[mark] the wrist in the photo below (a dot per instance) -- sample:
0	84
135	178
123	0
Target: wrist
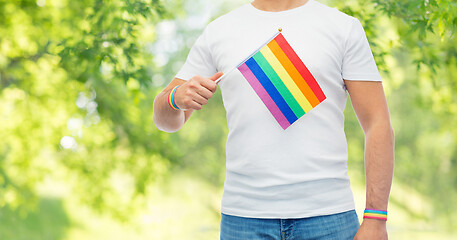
374	222
171	98
375	214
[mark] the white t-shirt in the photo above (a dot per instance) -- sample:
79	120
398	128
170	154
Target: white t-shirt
301	171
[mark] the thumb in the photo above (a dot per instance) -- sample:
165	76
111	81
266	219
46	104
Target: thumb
216	76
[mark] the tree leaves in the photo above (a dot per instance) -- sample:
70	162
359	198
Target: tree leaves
82	48
81	71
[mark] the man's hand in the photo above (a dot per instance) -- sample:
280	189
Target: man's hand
190	96
372	229
196	92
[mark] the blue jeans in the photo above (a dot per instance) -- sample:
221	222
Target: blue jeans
341	226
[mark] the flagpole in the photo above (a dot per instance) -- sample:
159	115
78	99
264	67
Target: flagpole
225	74
252	54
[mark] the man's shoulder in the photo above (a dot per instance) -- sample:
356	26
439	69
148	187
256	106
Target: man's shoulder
330	12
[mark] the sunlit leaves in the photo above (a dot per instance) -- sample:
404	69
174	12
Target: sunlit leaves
421	63
77	81
75	101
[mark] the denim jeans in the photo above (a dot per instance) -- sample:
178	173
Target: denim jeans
341	226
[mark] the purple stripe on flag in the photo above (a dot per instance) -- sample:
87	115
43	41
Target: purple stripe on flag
258	88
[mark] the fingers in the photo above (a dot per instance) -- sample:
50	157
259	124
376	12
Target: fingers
216	76
195	102
200	99
191	104
200	84
204	92
196	92
207	83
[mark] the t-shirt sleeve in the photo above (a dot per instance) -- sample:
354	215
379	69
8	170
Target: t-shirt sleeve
199	61
358	60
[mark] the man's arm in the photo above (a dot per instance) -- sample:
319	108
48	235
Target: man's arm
190	95
370	106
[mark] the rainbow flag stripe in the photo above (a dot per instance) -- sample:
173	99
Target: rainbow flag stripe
282	81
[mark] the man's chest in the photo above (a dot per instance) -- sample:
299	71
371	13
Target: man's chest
320	50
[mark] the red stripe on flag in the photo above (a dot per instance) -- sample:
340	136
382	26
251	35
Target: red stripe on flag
300	66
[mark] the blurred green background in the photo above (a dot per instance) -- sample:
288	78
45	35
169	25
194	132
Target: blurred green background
80	157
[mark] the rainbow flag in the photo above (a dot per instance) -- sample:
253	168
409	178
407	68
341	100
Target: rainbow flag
282	81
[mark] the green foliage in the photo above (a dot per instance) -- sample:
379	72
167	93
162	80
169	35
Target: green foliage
429	16
427	30
78	78
75	101
427	147
48	222
414	44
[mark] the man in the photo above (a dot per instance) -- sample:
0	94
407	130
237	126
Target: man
290	183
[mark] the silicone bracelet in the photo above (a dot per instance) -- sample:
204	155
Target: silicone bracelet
375	214
171	100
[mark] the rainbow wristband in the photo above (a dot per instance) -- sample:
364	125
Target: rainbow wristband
375	214
171	100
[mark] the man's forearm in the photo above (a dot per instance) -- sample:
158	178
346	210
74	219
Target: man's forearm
379	165
166	118
191	95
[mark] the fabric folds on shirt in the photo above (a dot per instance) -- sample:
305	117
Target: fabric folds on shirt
301	171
